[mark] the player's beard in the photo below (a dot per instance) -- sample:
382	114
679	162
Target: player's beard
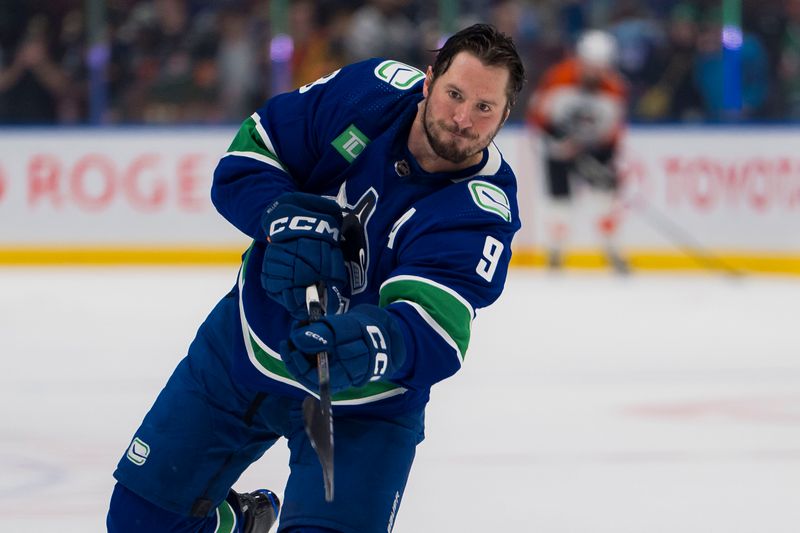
435	131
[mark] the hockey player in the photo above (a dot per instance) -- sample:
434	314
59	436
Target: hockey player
579	109
382	181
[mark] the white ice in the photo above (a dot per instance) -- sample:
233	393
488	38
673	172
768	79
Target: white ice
588	403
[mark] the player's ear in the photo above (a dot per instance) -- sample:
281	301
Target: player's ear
506	113
428	81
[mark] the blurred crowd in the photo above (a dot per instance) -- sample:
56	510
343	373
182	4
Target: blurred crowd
215	61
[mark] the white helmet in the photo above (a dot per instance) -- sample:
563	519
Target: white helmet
596	48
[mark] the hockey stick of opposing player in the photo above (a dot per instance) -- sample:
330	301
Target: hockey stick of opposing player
681	238
317	414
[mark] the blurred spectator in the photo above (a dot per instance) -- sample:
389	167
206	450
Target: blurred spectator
662	9
639	38
670	93
385	28
319	33
550	44
72	44
208	61
573	17
241	83
508	17
172	73
789	66
32	81
709	72
517	20
767	20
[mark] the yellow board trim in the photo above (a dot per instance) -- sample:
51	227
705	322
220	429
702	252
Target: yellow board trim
639	259
19	256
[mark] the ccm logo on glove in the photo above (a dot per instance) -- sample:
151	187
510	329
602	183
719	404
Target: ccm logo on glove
303	232
303	223
363	345
316	337
381	359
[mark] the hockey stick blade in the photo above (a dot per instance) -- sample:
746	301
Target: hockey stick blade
317	415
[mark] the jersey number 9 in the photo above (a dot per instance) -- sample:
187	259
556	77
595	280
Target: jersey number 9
492	250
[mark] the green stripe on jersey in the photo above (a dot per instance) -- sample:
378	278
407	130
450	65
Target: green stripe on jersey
226	518
277	367
450	313
249	140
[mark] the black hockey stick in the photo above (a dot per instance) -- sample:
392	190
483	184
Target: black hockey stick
317	414
681	238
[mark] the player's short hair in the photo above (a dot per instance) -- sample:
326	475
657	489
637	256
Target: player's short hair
492	47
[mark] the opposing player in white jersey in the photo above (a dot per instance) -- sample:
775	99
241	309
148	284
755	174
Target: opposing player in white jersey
579	109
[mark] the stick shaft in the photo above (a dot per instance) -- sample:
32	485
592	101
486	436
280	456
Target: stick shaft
318	415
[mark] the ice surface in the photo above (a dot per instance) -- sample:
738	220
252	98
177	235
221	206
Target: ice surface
587	404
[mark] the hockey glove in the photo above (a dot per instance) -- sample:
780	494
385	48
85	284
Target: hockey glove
303	231
363	345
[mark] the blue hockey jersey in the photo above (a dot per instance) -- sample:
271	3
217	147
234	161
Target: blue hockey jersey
435	247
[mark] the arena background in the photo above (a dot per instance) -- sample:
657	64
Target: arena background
662	401
107	144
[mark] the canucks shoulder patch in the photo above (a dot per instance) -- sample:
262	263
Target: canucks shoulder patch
490	198
398	75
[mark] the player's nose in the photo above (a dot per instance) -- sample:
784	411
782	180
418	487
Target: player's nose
461	116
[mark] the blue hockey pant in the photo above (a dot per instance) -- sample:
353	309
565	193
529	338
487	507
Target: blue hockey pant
204	430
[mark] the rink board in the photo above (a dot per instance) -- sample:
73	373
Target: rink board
694	197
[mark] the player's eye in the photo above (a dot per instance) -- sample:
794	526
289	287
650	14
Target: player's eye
455	95
485	108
